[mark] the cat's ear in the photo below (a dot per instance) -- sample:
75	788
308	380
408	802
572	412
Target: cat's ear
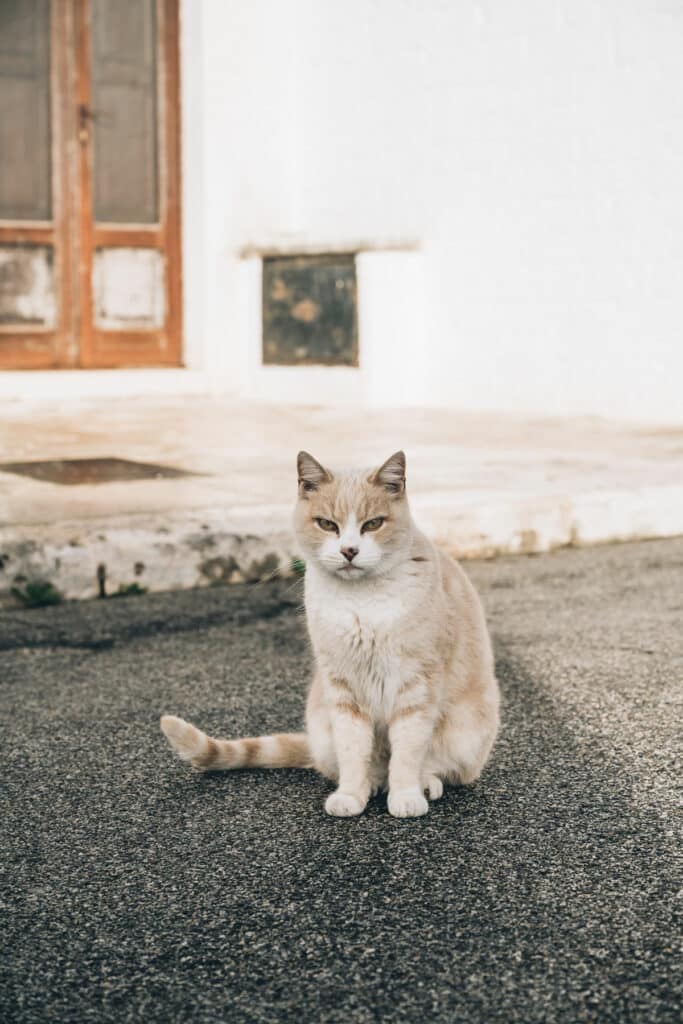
391	475
311	473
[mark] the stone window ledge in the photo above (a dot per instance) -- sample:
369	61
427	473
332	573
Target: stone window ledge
308	247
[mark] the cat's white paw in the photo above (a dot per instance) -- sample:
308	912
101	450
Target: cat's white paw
344	805
407	803
434	787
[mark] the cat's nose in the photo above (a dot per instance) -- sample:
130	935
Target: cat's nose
349	553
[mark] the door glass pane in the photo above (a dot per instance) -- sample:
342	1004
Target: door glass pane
25	185
124	108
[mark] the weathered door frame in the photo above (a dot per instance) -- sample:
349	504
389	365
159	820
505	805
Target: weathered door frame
75	341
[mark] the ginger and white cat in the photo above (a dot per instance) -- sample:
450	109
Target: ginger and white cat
404	695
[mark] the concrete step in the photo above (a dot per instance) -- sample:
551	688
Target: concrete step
480	485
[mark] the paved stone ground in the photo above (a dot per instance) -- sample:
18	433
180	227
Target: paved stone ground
133	889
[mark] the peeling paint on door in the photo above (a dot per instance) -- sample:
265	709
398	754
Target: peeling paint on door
27	285
128	286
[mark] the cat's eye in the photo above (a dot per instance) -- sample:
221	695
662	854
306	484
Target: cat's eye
372	524
328	525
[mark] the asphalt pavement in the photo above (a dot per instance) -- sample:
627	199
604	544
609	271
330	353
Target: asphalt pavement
132	889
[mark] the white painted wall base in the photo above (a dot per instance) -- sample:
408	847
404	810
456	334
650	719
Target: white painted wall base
53	385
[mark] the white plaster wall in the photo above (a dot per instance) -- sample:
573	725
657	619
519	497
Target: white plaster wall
534	148
238	141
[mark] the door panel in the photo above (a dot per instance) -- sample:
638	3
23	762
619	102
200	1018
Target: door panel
124	97
25	176
27	285
128	289
89	183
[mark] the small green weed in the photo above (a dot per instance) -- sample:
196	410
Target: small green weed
129	590
37	594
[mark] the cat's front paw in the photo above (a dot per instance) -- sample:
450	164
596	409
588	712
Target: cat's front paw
344	805
407	803
433	786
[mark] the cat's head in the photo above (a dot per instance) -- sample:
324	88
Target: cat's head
353	524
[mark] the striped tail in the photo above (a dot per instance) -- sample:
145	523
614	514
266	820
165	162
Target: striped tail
284	750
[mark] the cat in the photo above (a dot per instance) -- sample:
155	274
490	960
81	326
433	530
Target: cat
404	695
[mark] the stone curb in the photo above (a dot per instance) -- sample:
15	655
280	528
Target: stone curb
204	547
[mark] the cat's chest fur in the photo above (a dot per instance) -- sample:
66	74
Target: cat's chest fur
359	637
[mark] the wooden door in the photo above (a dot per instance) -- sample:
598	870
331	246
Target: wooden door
89	183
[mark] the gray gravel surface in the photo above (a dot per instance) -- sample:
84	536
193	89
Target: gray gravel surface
133	889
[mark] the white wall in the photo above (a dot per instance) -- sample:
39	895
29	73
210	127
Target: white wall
534	148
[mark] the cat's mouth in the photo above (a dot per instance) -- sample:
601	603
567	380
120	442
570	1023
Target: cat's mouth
349	568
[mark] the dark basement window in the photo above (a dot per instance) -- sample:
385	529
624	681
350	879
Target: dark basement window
310	314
